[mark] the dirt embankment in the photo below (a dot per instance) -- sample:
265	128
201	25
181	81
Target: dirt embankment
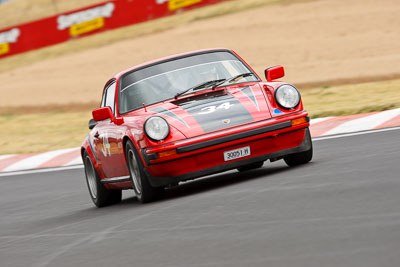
317	41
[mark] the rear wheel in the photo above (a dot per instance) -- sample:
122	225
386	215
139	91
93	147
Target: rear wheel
301	157
100	195
251	166
144	191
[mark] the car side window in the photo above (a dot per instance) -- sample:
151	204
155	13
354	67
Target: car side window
103	100
109	97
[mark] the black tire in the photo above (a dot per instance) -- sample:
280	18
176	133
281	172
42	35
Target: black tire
301	157
100	195
145	193
251	166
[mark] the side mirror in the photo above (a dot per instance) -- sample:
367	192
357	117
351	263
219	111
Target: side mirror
273	73
102	114
92	123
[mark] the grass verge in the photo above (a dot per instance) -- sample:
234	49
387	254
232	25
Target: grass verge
26	133
352	99
66	127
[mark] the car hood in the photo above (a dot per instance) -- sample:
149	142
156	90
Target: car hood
214	110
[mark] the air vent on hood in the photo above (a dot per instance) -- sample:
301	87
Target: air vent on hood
209	95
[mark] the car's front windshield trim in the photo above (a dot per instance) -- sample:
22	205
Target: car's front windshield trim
173	97
171	71
235	59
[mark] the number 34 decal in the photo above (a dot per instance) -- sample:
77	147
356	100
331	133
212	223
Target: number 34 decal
211	109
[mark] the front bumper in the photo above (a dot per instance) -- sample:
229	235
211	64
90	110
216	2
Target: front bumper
269	139
162	181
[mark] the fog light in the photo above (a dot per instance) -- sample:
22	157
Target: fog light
167	153
299	121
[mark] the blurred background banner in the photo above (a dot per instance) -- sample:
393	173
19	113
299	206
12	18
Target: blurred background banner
89	20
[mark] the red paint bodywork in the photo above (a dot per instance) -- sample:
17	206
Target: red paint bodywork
129	126
274	73
102	114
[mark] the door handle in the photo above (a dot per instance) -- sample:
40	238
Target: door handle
96	135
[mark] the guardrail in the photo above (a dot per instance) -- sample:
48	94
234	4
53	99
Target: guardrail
89	20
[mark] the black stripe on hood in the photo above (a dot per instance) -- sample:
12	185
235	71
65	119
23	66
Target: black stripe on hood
215	111
248	91
169	113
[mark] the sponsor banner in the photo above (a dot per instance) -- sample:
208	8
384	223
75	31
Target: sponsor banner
87	21
177	4
7	37
4	48
87	26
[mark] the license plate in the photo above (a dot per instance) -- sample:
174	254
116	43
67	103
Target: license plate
237	153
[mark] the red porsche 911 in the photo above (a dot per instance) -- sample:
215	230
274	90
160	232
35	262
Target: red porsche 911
186	116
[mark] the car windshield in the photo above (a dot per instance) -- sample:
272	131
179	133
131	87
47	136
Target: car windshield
165	80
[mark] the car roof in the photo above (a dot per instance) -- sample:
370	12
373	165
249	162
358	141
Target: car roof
163	59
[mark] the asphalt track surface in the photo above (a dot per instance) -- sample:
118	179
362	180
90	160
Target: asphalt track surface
342	209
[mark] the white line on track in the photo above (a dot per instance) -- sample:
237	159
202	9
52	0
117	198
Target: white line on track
354	134
80	166
41	170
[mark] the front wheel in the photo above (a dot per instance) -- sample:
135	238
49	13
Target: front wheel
301	157
144	191
100	195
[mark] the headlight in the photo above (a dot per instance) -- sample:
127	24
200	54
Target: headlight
156	128
287	96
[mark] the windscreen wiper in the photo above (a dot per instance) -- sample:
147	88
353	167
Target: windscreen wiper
202	85
241	76
234	78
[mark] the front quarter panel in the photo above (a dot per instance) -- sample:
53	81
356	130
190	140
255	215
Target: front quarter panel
135	132
87	146
276	111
